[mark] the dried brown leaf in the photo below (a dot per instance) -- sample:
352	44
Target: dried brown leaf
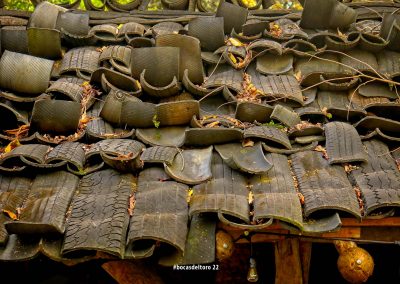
348	168
250	92
301	197
128	156
250	197
19	132
304	124
87	147
359	198
212	124
247	143
275	29
101	49
341	35
298	76
322	150
132	202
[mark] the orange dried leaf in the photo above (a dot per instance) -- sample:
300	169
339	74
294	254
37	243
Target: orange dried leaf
85	119
19	132
359	198
125	156
275	29
10	214
304	124
322	150
212	124
349	168
301	197
250	93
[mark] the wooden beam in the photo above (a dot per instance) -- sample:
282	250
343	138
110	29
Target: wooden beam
287	262
346	222
346	232
386	234
385	222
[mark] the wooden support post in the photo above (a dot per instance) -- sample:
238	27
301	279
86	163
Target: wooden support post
305	256
287	262
127	272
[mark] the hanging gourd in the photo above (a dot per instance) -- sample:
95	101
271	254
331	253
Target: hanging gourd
355	264
224	245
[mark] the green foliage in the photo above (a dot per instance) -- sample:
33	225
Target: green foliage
156	122
154	5
25	5
286	4
274	124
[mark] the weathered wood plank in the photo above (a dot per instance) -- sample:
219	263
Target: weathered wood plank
287	262
385	222
305	257
347	232
388	234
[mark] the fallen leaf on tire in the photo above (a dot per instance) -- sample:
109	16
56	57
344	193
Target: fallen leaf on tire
125	156
341	35
212	124
232	58
348	168
251	197
10	214
275	29
359	198
301	198
132	202
189	195
322	150
234	42
247	143
326	113
298	76
12	145
21	131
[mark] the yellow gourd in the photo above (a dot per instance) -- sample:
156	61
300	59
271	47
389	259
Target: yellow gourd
224	245
355	264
